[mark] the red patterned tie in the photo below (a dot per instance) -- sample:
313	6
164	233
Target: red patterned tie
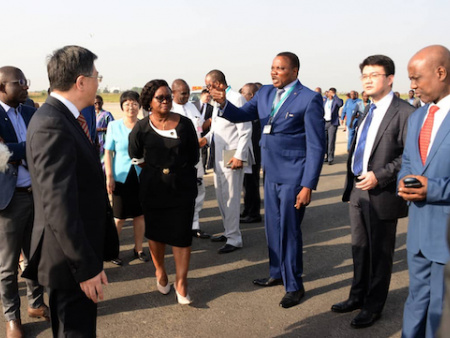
425	134
84	126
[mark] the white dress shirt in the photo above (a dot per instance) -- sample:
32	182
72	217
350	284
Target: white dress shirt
439	116
378	114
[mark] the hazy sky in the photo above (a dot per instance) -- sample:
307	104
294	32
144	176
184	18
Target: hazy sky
138	40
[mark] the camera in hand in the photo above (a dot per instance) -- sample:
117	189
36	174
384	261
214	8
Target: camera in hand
412	182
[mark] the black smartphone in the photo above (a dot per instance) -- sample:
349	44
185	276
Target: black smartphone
412	182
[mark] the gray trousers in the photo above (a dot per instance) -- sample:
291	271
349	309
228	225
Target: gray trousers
16	223
330	134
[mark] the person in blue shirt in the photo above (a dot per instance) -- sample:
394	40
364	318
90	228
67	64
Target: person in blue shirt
351	112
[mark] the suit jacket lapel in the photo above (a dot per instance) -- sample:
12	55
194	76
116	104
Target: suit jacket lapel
76	125
442	133
390	113
4	116
294	94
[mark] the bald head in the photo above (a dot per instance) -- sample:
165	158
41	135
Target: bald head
180	91
249	90
12	92
429	71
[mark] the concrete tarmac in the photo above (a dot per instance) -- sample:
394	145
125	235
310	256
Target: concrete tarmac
226	303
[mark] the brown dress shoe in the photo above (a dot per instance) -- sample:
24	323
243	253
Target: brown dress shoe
14	329
40	312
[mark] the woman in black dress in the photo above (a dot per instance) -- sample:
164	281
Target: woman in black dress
165	145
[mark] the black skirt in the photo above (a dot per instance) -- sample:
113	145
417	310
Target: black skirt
170	225
125	199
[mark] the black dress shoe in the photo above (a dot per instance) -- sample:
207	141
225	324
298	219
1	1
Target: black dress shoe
348	305
250	219
365	318
141	256
200	234
117	261
227	248
291	299
330	162
218	238
325	160
267	281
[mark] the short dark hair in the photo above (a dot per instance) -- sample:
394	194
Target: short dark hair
332	89
253	87
129	95
293	59
204	91
149	91
217	75
66	64
379	60
98	97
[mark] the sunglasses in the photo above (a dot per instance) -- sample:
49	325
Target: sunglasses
161	98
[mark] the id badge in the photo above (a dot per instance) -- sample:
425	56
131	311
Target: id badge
267	129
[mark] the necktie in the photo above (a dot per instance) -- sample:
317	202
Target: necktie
359	153
278	96
84	126
425	134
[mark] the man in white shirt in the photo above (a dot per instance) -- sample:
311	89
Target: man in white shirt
373	163
228	179
331	116
182	106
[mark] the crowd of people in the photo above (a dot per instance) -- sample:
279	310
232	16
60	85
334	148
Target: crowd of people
72	175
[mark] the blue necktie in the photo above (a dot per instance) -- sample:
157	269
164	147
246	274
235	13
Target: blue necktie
359	153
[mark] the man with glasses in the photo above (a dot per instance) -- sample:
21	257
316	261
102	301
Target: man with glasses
68	244
226	137
16	202
374	208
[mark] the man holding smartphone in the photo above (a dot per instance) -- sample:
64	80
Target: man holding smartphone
374	207
426	159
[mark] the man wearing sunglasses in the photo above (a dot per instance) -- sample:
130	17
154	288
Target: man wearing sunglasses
16	202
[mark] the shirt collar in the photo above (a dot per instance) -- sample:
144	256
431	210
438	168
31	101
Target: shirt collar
443	104
6	107
67	103
289	86
385	101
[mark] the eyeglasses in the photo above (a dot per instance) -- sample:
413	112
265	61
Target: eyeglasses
372	76
134	105
98	77
161	98
21	82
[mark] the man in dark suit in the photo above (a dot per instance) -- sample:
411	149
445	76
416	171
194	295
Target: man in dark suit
426	158
16	202
331	115
292	148
372	167
252	198
70	197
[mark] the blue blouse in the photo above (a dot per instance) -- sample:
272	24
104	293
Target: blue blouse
117	141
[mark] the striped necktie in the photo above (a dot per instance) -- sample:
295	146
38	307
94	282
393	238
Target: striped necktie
359	153
84	126
425	134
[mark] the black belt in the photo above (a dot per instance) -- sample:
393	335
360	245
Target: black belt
24	189
328	121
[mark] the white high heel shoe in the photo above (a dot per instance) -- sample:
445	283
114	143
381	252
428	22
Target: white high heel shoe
163	289
181	299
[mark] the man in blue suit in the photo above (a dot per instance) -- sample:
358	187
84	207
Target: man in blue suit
331	107
292	149
16	202
426	158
